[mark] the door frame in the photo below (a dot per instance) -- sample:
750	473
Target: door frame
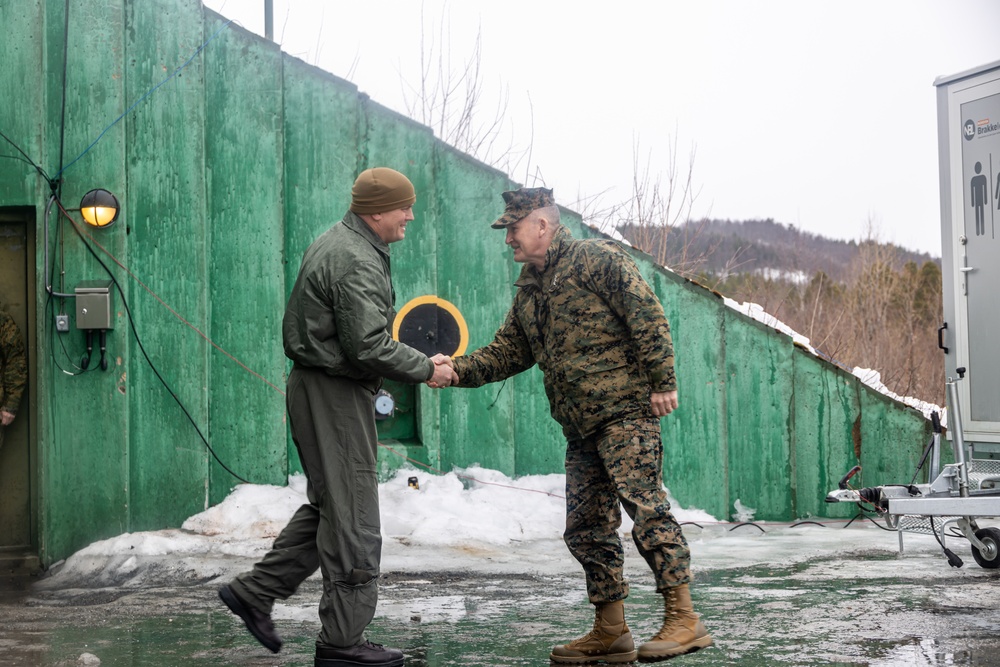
28	216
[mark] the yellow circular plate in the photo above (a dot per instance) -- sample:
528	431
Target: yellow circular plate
432	325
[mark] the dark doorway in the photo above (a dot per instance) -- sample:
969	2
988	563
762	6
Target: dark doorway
18	455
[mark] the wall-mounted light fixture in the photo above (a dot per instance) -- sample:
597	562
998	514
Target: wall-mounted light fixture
99	208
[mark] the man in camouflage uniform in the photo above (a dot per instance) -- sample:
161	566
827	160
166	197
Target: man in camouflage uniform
585	315
13	371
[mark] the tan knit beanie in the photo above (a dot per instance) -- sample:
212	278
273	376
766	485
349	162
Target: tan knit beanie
381	189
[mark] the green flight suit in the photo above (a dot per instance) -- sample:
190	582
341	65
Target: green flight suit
336	330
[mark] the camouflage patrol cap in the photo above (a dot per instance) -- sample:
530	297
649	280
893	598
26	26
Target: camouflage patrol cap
521	202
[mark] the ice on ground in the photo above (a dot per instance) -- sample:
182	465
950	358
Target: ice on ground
472	519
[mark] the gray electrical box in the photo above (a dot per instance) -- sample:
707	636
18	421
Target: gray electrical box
969	154
95	304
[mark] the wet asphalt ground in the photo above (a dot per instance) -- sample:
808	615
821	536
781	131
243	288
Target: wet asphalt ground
784	598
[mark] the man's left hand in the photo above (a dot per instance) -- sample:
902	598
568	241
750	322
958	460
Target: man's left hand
6	418
663	402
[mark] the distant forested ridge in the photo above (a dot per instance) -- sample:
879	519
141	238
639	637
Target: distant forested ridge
861	303
762	246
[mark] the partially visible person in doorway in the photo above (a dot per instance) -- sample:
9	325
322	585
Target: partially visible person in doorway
336	330
13	370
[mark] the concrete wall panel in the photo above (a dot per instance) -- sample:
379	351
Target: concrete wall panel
758	412
22	116
83	443
245	183
476	424
825	407
696	456
168	247
892	438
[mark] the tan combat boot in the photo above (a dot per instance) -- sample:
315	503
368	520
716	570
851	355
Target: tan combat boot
682	631
609	641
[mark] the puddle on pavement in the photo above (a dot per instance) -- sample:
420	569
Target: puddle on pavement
803	615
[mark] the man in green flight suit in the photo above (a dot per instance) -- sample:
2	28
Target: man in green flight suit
336	330
585	315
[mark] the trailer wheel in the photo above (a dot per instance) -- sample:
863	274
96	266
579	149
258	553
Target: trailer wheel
989	556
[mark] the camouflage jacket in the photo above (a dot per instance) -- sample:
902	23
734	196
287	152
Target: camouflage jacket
595	329
13	364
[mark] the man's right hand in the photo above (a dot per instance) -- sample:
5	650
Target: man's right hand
444	373
663	403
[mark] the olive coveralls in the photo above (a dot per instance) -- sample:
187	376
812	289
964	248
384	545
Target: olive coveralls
336	330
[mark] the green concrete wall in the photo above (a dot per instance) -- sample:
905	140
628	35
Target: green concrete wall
226	173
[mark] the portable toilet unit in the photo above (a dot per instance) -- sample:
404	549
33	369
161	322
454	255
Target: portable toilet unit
969	151
961	492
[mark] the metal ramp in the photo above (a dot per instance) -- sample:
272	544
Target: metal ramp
984	474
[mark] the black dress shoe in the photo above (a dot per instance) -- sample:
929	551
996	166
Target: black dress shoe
258	623
362	655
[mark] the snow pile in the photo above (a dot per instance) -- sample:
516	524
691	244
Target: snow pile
472	520
436	526
251	511
873	379
478	506
756	311
743	514
472	506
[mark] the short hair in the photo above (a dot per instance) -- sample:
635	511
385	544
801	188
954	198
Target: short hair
550	213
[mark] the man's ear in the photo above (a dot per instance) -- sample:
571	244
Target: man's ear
543	225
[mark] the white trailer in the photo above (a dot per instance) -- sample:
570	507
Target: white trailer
960	493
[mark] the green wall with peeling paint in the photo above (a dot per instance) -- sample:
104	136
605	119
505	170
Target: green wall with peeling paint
226	172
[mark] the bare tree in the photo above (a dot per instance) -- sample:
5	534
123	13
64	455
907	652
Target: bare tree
657	201
659	207
450	101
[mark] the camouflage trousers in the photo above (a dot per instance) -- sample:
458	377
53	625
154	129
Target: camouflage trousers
621	466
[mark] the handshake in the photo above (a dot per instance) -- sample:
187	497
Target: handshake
444	372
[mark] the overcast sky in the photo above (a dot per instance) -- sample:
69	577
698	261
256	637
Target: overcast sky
818	114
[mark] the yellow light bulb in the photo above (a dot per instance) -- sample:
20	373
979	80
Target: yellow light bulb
99	208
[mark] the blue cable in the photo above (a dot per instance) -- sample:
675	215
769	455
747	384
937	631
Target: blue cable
147	94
